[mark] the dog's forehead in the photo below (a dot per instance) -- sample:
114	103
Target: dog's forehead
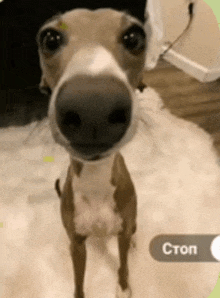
89	23
90	29
85	15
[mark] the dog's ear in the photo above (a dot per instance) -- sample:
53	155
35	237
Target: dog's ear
44	87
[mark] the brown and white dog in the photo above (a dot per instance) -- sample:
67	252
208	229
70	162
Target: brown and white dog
92	62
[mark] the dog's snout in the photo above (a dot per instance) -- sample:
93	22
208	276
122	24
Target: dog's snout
93	113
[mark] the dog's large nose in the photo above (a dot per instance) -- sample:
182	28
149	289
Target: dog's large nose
93	112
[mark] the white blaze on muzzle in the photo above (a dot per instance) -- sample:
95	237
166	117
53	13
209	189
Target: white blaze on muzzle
94	61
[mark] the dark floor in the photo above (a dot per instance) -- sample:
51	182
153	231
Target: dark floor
22	106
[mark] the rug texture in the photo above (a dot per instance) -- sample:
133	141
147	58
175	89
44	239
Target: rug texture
176	174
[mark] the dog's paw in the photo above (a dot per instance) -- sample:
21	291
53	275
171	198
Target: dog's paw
123	294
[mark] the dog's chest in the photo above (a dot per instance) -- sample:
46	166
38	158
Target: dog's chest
94	204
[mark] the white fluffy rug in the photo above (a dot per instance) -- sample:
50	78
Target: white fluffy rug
177	177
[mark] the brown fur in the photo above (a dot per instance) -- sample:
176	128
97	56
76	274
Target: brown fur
126	205
85	28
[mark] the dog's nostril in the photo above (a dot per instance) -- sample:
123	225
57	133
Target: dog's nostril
72	119
118	116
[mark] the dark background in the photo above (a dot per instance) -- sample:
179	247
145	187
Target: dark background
20	99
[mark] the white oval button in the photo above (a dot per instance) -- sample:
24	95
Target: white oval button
215	248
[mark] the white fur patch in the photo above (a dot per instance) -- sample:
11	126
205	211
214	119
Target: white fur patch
103	61
95	215
93	60
93	201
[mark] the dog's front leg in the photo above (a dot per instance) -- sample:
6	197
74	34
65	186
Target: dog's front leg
78	254
124	241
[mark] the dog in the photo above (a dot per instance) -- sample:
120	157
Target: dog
92	62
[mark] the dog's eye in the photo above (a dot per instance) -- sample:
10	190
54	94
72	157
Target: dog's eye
134	39
51	40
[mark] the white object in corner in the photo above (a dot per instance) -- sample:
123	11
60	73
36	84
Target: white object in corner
198	50
155	32
200	72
